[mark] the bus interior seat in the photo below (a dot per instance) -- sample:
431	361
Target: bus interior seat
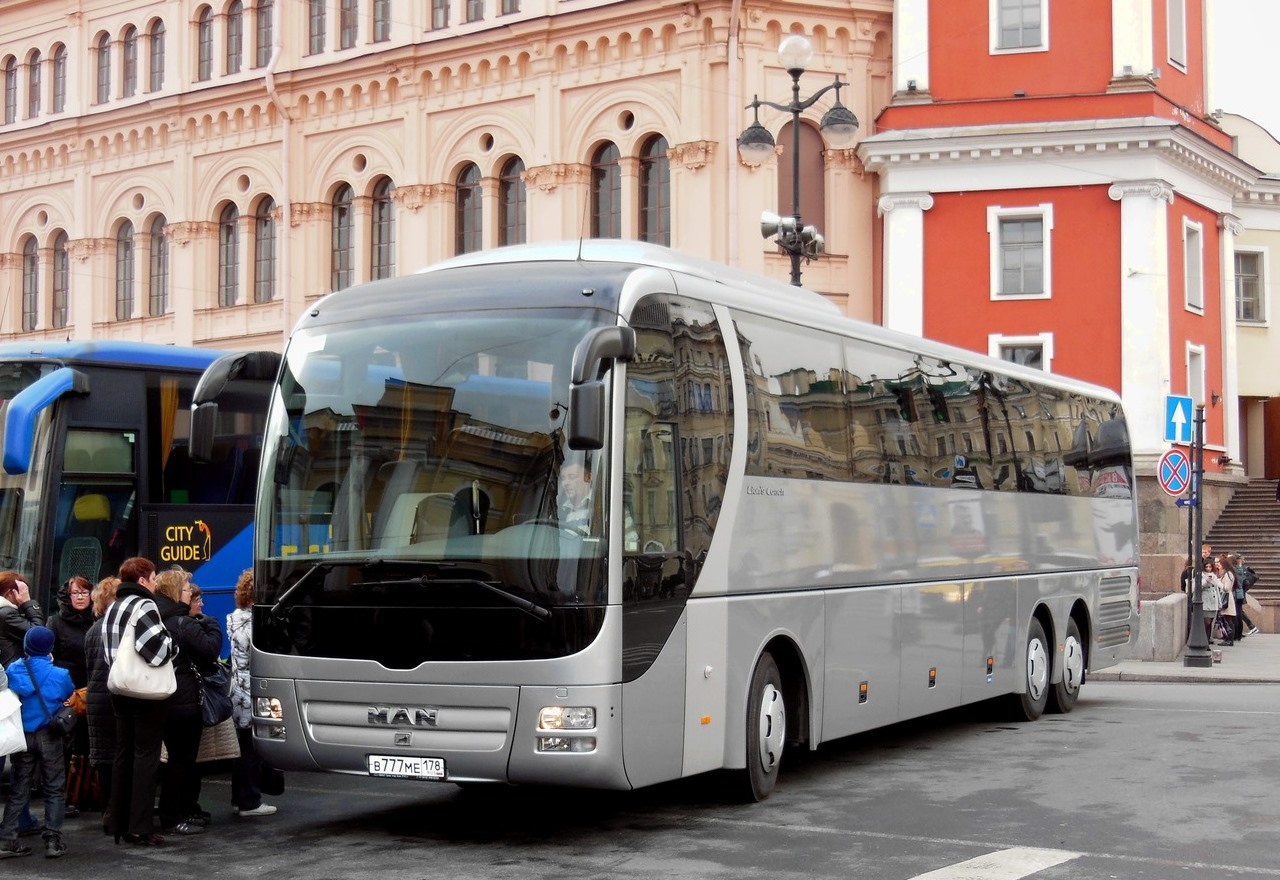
78	460
112	460
86	533
396	478
81	555
416	517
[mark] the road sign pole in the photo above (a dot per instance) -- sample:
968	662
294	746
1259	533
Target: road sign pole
1197	652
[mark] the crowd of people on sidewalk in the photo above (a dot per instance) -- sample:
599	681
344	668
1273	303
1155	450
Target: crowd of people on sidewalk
89	741
1225	580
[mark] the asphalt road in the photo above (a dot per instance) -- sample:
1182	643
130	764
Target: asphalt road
1143	780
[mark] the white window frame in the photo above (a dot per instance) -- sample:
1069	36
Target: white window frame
996	214
1197	381
1264	276
1193	275
1176	28
997	342
994	19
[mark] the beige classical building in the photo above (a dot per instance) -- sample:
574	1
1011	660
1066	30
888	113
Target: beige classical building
198	173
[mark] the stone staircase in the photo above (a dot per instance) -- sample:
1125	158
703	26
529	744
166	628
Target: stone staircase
1250	524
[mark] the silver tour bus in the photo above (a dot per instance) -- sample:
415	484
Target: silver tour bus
598	514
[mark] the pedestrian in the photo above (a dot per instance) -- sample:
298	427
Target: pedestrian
246	771
101	716
139	723
69	624
1246	577
18	613
199	641
1230	618
42	688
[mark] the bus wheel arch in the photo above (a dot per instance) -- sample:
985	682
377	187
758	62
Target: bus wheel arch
776	718
1073	663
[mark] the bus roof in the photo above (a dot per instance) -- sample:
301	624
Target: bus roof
112	352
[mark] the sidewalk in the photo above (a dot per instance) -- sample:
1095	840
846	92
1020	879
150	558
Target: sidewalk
1252	659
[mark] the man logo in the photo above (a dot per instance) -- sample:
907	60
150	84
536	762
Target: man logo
395	716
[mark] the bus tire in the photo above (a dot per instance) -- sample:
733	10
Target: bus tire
766	730
1063	695
1030	704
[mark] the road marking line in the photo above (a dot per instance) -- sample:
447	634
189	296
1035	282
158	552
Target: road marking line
1007	864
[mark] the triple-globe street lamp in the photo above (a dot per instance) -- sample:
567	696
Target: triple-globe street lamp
756	144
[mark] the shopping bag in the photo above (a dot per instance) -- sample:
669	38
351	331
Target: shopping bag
84	788
12	737
131	676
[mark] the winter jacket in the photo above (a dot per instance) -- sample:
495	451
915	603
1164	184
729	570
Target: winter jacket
199	641
102	715
69	627
240	632
153	642
15	620
52	682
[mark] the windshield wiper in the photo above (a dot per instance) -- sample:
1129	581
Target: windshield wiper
525	605
281	605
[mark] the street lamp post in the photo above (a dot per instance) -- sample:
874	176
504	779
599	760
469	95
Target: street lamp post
755	144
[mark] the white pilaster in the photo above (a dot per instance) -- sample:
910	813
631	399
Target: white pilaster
903	307
1231	227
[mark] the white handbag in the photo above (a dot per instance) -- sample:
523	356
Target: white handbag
131	676
12	737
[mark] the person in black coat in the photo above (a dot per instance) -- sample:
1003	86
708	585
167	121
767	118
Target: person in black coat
69	624
18	613
101	716
199	641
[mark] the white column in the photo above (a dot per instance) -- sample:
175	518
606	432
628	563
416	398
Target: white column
911	44
1231	227
1145	361
903	306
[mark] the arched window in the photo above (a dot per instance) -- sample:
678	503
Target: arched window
606	193
103	81
263	34
341	272
264	251
10	90
468	216
382	260
61	280
33	85
512	203
204	44
60	79
228	256
129	62
235	36
158	268
124	271
655	192
813	188
30	284
156	46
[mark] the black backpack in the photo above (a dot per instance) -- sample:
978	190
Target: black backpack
1248	577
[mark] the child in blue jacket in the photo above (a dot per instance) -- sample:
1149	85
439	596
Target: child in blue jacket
42	688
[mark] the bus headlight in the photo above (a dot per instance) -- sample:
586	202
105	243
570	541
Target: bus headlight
268	707
566	743
566	718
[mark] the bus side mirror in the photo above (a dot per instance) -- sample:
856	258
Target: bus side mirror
586	415
597	351
204	427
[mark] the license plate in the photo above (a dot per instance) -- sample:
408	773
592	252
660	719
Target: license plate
406	767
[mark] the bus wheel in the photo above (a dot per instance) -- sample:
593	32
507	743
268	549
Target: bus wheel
1030	704
1062	698
766	729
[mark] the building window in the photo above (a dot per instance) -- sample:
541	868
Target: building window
382	262
510	6
606	193
475	10
204	45
1018	25
1193	264
124	271
228	256
156	81
1195	374
1020	251
103	81
235	37
129	63
381	20
315	27
262	33
655	192
30	284
1177	15
158	269
1029	351
33	85
341	271
59	79
468	211
439	14
1249	287
61	280
264	252
348	23
10	90
512	203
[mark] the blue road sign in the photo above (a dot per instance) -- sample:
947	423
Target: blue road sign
1178	418
1174	472
1186	502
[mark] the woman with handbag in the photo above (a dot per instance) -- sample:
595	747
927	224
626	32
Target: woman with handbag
132	624
69	624
42	688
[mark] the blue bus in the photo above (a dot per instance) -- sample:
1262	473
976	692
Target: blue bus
98	464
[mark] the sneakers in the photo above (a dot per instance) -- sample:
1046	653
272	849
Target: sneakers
54	848
12	849
187	827
259	810
1253	631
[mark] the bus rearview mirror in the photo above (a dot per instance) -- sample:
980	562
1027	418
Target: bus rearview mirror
586	415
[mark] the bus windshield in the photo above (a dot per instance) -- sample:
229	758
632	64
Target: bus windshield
422	465
20	500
